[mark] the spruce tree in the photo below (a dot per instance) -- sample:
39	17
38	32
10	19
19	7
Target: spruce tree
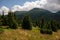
12	21
42	21
0	21
26	24
3	18
42	25
37	23
54	25
49	29
46	29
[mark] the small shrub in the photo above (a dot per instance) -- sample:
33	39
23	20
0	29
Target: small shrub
49	31
43	31
46	31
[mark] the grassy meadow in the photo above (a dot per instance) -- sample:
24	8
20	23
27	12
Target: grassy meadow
21	34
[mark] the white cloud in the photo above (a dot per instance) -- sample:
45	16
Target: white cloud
29	5
16	8
52	5
0	12
5	9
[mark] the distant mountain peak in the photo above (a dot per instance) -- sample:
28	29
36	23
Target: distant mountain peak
40	10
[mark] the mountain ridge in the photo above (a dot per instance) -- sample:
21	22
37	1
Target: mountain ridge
37	13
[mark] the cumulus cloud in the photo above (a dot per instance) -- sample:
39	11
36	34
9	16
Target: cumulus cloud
0	12
29	5
52	5
16	8
4	9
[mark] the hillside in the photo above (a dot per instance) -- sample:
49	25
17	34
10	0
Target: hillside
37	13
19	14
57	16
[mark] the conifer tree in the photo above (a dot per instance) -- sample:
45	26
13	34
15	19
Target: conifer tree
0	21
42	21
12	21
46	29
54	25
49	29
4	19
26	24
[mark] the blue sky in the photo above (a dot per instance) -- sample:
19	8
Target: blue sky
10	3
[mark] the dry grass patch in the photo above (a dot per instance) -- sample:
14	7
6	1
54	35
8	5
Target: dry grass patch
34	34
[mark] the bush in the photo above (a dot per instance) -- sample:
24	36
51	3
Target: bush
42	31
54	29
49	31
13	25
46	31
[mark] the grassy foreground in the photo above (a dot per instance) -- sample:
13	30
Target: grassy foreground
34	34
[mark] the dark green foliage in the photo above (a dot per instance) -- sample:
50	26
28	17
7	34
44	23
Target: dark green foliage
42	21
49	29
26	24
46	29
58	25
3	19
12	20
54	25
0	20
37	23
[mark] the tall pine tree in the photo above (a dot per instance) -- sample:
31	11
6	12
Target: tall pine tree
26	24
12	20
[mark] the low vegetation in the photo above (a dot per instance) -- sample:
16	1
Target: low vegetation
34	34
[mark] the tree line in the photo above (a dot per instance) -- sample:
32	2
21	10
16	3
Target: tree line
45	27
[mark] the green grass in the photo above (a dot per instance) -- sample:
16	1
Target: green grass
21	34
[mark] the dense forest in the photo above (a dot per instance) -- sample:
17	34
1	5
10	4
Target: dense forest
46	21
